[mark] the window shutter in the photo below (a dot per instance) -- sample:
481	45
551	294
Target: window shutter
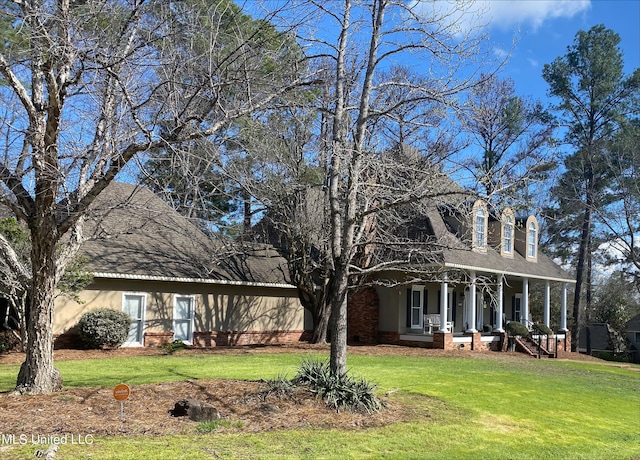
408	307
513	308
424	304
439	301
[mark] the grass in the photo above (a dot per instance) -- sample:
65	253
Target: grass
476	408
208	427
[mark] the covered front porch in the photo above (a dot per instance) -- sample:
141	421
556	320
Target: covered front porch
467	312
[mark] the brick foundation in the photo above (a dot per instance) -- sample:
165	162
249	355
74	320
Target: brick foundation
389	338
443	341
235	338
565	344
155	339
363	316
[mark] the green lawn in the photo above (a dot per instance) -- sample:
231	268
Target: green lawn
479	408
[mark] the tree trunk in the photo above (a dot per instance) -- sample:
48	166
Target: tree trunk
587	308
321	323
37	374
585	237
338	299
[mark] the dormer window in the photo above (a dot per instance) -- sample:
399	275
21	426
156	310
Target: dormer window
480	226
532	238
508	222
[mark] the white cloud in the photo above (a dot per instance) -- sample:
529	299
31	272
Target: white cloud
500	52
533	62
533	12
504	14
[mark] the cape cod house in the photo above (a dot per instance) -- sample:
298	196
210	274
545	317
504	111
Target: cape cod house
178	284
480	281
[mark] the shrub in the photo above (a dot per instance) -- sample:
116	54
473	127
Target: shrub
517	328
103	328
542	329
9	342
338	392
171	347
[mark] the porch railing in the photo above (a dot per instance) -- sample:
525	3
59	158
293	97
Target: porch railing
543	348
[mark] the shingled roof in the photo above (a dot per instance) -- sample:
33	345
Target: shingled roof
133	234
458	254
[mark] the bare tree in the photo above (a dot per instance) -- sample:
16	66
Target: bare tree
514	137
93	84
287	183
363	41
621	219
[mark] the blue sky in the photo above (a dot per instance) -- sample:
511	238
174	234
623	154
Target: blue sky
546	27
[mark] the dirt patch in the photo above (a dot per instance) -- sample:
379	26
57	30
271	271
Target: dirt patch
93	411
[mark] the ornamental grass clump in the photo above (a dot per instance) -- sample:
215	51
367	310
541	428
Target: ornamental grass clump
338	392
104	328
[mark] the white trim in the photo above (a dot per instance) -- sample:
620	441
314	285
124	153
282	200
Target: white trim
192	310
125	276
416	338
491	270
143	295
420	289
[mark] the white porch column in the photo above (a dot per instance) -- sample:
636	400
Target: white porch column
547	303
563	309
472	304
500	304
444	301
525	301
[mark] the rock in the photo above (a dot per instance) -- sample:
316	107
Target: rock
198	411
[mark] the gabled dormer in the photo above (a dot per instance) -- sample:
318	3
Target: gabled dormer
480	225
507	233
526	240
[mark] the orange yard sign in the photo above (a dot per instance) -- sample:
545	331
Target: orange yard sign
121	392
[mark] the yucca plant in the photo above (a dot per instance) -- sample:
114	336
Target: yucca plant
339	391
279	386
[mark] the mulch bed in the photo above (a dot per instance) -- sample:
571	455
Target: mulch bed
93	411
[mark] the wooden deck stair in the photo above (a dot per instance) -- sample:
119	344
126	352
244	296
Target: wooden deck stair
529	347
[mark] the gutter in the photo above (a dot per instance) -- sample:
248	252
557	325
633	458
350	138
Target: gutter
510	273
124	276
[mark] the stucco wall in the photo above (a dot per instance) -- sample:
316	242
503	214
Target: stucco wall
217	307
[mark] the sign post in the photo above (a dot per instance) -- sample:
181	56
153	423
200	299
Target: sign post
120	393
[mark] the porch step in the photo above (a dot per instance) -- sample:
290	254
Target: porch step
530	348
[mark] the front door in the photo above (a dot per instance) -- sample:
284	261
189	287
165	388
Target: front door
516	308
134	305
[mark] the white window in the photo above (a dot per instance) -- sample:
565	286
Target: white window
480	228
417	302
134	305
507	237
183	309
532	239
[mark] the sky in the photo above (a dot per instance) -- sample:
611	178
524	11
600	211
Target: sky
544	29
